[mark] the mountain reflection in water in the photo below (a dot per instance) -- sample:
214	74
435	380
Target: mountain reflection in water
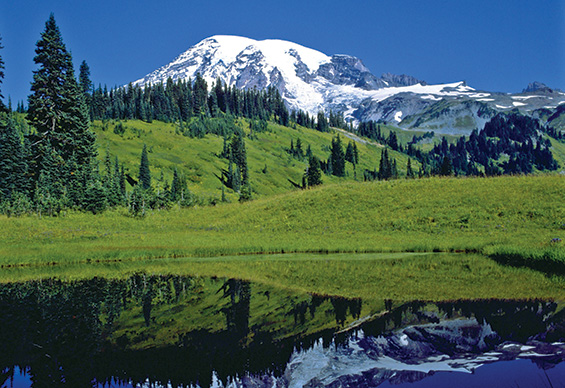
182	331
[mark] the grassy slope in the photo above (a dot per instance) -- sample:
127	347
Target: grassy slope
484	215
198	160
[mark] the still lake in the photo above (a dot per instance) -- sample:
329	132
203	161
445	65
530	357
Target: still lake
179	331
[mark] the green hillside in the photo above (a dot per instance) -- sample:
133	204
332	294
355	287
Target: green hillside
270	164
484	215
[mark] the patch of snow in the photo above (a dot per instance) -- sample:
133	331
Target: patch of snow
516	103
485	99
523	97
534	354
479	95
502	107
430	97
404	340
398	116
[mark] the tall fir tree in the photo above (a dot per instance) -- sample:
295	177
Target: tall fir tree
238	155
179	188
409	171
144	172
84	79
85	85
57	108
337	157
385	166
314	173
2	106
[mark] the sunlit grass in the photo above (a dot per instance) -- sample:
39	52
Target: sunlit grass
516	220
198	158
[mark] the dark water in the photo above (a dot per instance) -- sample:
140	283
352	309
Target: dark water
181	331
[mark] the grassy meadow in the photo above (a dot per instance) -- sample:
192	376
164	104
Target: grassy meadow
346	237
504	217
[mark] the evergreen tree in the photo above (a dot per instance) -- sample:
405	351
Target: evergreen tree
409	171
245	193
385	166
46	101
178	187
2	106
85	85
308	153
314	173
239	156
298	149
144	172
337	157
57	108
446	168
322	124
94	197
350	153
13	162
84	79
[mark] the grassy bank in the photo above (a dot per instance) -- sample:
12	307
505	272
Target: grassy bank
492	216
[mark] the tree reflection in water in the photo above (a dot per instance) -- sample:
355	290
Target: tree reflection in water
182	330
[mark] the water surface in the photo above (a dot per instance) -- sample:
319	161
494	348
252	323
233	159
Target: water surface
188	331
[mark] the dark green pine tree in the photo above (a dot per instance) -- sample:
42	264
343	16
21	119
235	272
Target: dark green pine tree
76	121
245	193
85	85
349	153
322	123
314	172
446	168
2	106
239	156
308	153
46	101
122	181
13	162
200	95
179	187
409	171
298	149
95	196
337	157
355	154
144	172
385	166
84	78
57	108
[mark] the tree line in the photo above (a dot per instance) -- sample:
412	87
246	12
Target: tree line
48	161
520	138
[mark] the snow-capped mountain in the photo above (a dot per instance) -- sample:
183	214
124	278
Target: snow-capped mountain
312	81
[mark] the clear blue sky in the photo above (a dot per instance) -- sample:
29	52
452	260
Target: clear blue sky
493	45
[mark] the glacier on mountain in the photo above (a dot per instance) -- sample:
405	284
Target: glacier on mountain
311	81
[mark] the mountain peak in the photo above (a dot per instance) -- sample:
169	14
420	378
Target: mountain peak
312	81
401	80
537	87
